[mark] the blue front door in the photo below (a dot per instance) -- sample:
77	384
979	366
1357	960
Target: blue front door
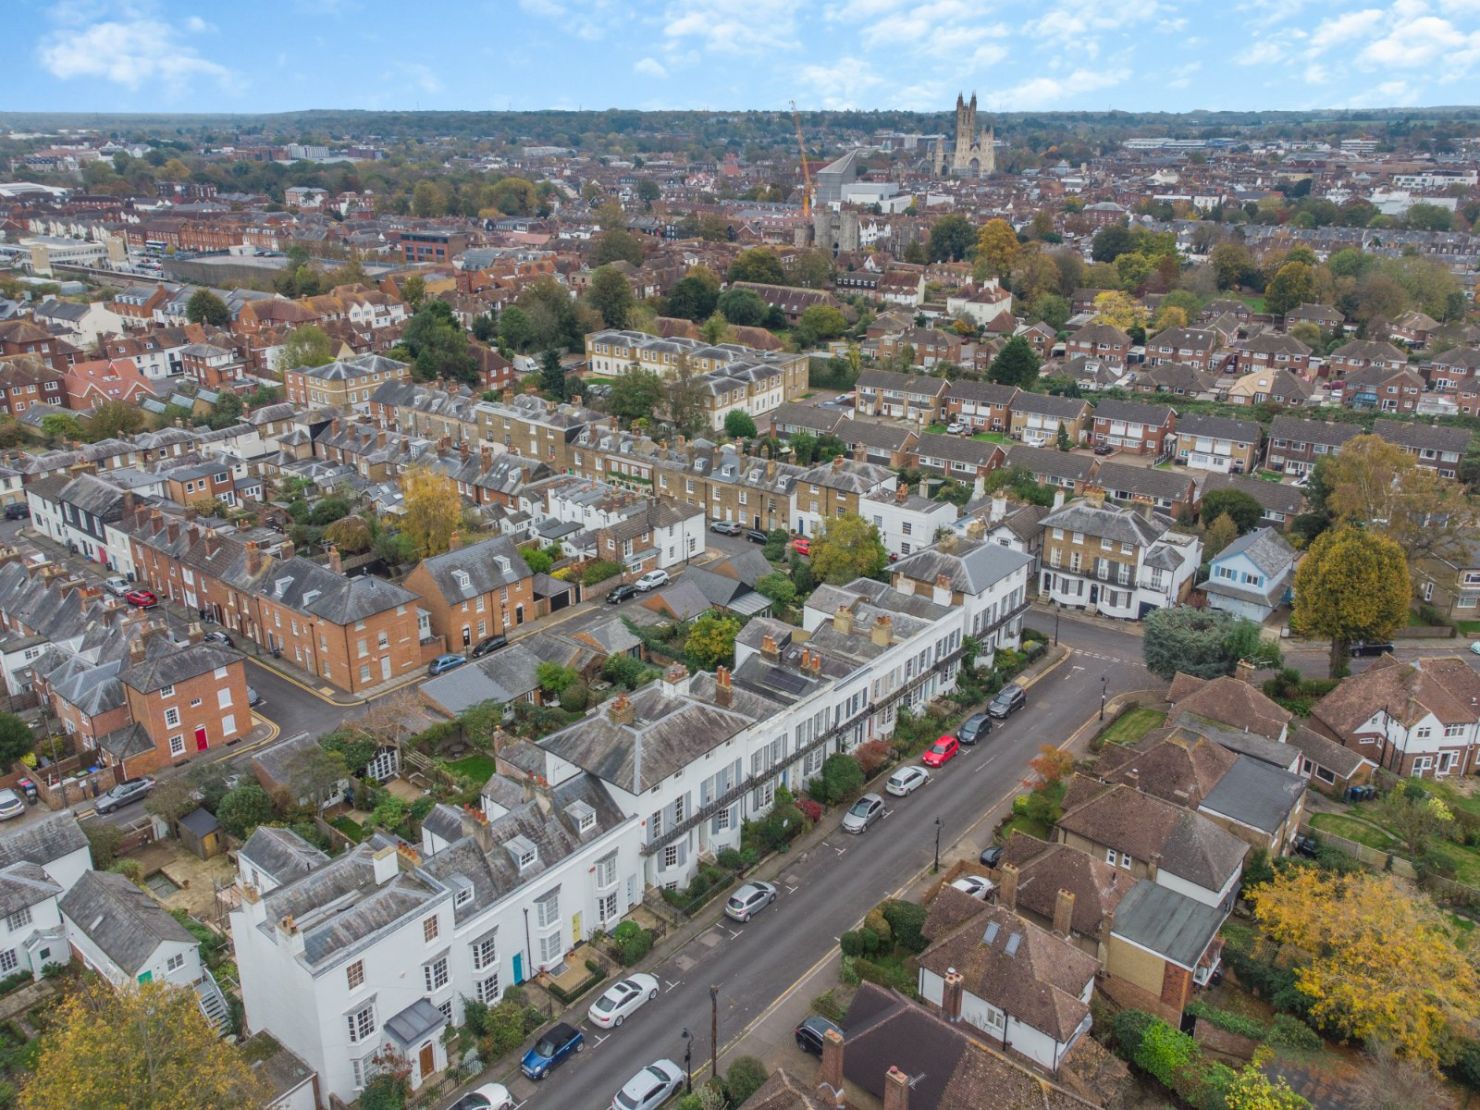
518	967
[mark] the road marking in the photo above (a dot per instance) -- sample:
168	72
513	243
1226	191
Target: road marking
839	851
599	1041
734	933
791	890
671	986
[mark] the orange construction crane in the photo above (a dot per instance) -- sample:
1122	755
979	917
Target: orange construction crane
806	173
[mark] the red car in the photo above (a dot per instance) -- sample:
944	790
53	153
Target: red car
141	598
942	750
802	545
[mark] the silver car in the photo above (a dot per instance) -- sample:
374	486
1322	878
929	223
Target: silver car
749	900
650	1088
11	805
863	813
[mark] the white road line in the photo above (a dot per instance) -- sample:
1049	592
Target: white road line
672	986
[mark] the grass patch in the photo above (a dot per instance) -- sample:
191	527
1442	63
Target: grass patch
478	767
993	437
1354	828
1469	628
1042	830
1130	727
936	430
349	827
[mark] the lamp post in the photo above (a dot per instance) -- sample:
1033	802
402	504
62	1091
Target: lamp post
936	869
714	1032
1104	679
688	1062
1057	610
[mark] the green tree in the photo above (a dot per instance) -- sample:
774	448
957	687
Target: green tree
711	640
635	394
840	779
951	239
61	425
515	329
1352	585
1293	285
758	264
437	346
616	244
847	547
1428	217
778	587
1232	264
1111	242
739	424
648	191
1062	440
414	291
204	307
555	678
1016	364
16	739
118	418
811	269
428	200
818	324
742	307
611	295
694	297
1204	643
1051	308
306	345
552	375
1219	534
243	809
1234	503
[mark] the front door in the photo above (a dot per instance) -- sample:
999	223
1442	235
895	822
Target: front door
575	929
428	1061
518	967
200	738
385	667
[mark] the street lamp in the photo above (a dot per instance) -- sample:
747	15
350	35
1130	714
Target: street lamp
714	1032
688	1066
1057	611
936	869
1103	680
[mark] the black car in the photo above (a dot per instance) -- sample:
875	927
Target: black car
755	535
1362	647
17	512
991	856
1008	701
809	1034
621	594
1104	449
1306	846
725	528
489	645
974	728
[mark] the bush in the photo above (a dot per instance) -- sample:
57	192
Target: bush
730	858
1129	1029
243	809
575	697
878	924
811	810
1287	1031
744	1078
871	756
906	920
859	942
1165	1052
841	778
633	942
894	976
829	1007
599	571
1227	1020
384	1092
103	840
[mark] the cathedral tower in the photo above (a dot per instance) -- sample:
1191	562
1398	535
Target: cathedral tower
975	154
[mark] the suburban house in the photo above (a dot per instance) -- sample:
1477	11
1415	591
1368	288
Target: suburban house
958	457
1328	766
1279	502
1271	350
55	843
1099	341
1162	946
1436	447
1190	346
1056	887
98	381
118	930
473	592
981	406
1450	581
183	700
1136	428
918	399
1295	445
1223	444
1385	390
1037	417
1119	562
1361	355
32	936
1233	703
1280	387
1252	576
342	384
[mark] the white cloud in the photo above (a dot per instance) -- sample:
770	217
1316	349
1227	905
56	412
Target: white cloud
1181	77
841	84
1261	53
1421	41
423	77
1072	18
131	51
1344	27
650	67
1047	92
732	26
547	9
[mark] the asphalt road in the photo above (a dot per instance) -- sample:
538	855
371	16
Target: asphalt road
828	892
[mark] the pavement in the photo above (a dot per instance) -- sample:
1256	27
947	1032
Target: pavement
767	969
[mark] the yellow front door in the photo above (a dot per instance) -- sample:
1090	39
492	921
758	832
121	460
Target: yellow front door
575	928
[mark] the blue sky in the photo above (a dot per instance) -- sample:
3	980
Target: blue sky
279	55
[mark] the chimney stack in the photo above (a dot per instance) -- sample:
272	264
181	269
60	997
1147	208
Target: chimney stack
289	934
830	1074
622	711
1063	912
213	542
724	693
386	865
676	680
194	633
901	493
770	652
136	649
837	463
1243	670
882	634
999	508
843	620
1058	499
1007	882
896	1090
950	999
254	557
1154	866
335	564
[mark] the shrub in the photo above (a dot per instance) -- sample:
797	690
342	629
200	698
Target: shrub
775	830
633	942
599	571
858	942
1165	1052
894	976
730	858
1129	1029
906	920
384	1092
811	810
878	924
744	1078
1287	1031
829	1007
1227	1020
575	697
871	756
103	840
841	778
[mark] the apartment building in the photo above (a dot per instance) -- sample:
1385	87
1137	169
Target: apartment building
1119	562
343	383
25	382
539	430
837	488
1219	443
612	353
473	592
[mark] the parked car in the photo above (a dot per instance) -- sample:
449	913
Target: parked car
125	793
757	535
974	728
117	585
907	780
253	698
216	636
801	545
1104	449
863	813
488	645
991	856
621	999
142	599
1008	701
942	751
621	594
725	528
810	1032
650	1088
974	885
444	663
1475	647
558	1045
955	428
490	1096
11	805
19	511
651	580
1306	846
749	900
1375	647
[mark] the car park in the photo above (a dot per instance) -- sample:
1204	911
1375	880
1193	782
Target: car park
651	1087
558	1045
1367	648
488	645
11	804
141	599
975	886
801	545
1008	701
942	751
117	585
622	999
125	793
490	1096
749	900
863	813
216	636
621	593
444	663
725	528
907	780
991	856
756	535
651	581
811	1032
974	728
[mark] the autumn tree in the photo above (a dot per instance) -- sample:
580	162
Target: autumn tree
204	307
1376	963
1293	285
997	248
352	534
1170	316
1220	533
711	640
113	418
847	547
1352	585
431	510
1051	764
147	1046
1119	310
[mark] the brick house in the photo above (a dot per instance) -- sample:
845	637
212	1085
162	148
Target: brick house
1295	445
981	406
89	384
1135	428
1437	447
343	383
1037	417
1363	354
1451	582
26	337
1382	388
1099	341
475	591
1190	346
1455	367
27	381
1272	351
186	700
905	396
1221	443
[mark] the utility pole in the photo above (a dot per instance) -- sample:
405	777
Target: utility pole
936	869
714	1032
1103	680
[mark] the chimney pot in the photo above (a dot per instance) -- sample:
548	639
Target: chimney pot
1007	882
896	1090
769	649
622	711
843	620
1063	912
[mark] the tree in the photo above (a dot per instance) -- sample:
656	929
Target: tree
1232	263
1351	585
1244	511
997	248
742	307
819	323
314	774
1252	1089
437	345
61	425
758	264
1119	310
428	200
739	424
1376	963
847	547
555	678
172	798
1293	285
778	587
611	295
717	330
16	739
552	375
1050	308
711	640
1170	316
746	1076
1204	643
147	1046
352	535
114	418
951	239
617	244
1016	364
695	295
1219	534
431	510
1111	242
414	291
1051	764
243	809
636	393
204	307
810	268
648	191
1061	438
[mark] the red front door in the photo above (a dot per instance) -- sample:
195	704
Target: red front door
200	738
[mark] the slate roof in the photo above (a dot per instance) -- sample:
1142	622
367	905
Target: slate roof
24	884
1109	522
1322	751
121	919
1174	926
178	664
973	567
1134	412
1292	429
1049	404
1144	481
281	853
311	588
504	676
1052	463
489	565
1194	424
43	841
1437	437
1274	496
1256	794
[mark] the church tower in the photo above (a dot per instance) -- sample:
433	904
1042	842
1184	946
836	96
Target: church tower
975	155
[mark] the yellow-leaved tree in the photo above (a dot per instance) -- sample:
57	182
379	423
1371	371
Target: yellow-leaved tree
1119	310
431	512
1378	964
1352	585
147	1045
997	248
846	548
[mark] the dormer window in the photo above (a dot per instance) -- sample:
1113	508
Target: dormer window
464	580
583	815
523	851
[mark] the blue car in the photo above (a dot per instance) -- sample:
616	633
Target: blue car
444	663
553	1049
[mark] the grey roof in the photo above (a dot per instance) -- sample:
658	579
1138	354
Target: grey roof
121	919
1437	437
24	884
1051	462
281	854
1108	522
1264	547
311	588
1133	411
504	676
1322	751
973	567
413	1024
487	566
1295	430
1144	481
177	664
47	839
1273	496
1173	925
200	822
1218	427
279	1068
1049	404
1254	793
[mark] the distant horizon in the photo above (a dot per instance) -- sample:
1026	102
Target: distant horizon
155	57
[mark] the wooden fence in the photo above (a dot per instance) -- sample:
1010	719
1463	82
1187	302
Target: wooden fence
1368	857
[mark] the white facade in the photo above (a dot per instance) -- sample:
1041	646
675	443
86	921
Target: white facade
172	961
907	526
32	938
1000	1027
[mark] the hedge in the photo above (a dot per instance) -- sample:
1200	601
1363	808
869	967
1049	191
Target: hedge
1228	1021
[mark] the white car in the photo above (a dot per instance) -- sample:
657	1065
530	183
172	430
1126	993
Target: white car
974	885
1475	647
652	580
955	428
649	1088
11	805
621	999
117	585
490	1096
907	780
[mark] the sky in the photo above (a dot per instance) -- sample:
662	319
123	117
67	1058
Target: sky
1017	55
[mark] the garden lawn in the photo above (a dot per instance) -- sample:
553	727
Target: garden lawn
936	430
992	437
1468	628
478	767
1354	828
1134	725
1039	829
